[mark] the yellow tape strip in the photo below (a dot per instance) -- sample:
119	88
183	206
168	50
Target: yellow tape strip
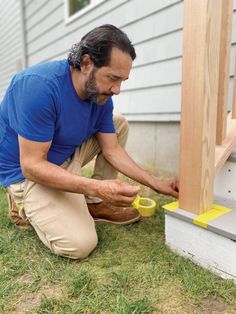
171	206
216	211
202	219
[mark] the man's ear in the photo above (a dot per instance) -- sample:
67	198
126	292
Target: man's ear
86	64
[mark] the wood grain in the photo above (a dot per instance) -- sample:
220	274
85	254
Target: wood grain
223	151
224	63
234	95
202	33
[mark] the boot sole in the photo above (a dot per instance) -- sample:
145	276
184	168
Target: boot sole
106	221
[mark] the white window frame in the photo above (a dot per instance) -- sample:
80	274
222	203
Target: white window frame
83	11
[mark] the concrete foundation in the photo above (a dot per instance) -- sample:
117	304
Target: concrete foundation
155	145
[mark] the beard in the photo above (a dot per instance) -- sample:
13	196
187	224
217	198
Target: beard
92	92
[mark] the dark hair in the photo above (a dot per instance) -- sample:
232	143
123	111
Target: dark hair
98	44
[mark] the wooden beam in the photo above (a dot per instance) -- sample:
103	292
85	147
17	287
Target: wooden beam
223	90
223	151
234	96
202	29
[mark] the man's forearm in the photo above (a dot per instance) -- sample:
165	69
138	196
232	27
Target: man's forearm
122	162
111	191
51	175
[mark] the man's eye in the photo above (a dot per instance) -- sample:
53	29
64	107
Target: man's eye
112	78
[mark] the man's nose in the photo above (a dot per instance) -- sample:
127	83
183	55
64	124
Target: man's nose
115	89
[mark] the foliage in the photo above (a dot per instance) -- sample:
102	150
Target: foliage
76	5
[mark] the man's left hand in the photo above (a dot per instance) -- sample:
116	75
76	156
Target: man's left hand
167	187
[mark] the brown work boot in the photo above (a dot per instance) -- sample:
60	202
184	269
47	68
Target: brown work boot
102	212
14	214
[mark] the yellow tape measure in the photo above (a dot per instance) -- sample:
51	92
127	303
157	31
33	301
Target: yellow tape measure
145	206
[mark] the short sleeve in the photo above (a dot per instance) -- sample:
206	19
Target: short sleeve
107	124
31	111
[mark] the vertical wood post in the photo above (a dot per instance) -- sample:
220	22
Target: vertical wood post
234	95
223	90
202	29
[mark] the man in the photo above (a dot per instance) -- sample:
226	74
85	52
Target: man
54	118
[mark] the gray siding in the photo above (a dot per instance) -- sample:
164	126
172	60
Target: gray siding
154	28
10	42
153	91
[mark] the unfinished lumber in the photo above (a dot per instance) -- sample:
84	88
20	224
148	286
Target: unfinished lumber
223	151
202	34
234	95
224	66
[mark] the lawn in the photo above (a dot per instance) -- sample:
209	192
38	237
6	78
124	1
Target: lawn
131	271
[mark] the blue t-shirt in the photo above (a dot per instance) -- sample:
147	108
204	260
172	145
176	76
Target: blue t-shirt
42	105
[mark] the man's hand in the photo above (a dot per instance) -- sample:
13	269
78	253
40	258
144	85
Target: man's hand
168	187
117	192
122	162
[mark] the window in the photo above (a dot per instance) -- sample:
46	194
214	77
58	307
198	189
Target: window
76	5
76	8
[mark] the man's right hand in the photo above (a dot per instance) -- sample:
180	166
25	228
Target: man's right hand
117	192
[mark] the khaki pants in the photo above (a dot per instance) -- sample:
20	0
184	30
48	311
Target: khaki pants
61	219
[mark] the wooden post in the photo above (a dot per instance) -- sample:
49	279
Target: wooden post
223	151
223	90
202	28
234	96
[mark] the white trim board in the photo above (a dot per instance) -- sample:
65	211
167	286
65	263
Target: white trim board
151	117
225	182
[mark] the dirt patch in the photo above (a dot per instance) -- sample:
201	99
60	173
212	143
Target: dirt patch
28	302
25	279
213	305
172	301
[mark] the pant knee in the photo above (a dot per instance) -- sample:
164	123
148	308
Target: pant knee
76	247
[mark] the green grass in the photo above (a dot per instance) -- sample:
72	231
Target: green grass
131	271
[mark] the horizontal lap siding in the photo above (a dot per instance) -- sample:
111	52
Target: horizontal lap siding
154	84
10	42
155	29
56	39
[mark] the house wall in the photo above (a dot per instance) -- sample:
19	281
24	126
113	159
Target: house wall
156	142
10	42
158	47
151	98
